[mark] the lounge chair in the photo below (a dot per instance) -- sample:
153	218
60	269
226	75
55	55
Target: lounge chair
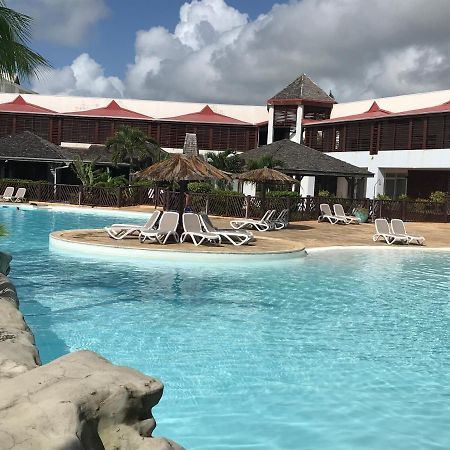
282	220
340	213
193	229
383	231
326	214
167	227
122	230
20	195
235	237
398	227
8	194
263	224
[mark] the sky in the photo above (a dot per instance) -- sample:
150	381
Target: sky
239	51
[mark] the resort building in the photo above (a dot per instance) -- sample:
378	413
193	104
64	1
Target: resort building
403	141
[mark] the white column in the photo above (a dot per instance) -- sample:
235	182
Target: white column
270	125
297	137
307	186
375	185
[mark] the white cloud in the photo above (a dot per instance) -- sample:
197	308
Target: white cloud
83	77
217	54
62	21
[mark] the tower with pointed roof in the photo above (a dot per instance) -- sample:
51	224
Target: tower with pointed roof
301	99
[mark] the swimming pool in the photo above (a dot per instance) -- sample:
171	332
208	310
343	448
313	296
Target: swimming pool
339	350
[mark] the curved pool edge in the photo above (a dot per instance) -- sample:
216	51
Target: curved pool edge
410	248
68	246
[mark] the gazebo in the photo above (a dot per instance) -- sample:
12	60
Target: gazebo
299	161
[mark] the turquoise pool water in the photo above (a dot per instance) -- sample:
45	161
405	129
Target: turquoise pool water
339	350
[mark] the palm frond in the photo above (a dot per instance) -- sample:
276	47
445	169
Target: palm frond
16	58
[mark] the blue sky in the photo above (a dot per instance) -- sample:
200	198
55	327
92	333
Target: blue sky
111	43
239	51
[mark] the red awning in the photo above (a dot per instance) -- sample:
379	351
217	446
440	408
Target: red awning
206	115
21	106
112	109
374	112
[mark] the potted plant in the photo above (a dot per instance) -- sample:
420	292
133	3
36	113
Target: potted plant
361	213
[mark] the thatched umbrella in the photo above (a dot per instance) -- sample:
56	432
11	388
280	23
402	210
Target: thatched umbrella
182	169
265	176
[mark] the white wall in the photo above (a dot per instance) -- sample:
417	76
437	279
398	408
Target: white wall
307	186
249	188
394	159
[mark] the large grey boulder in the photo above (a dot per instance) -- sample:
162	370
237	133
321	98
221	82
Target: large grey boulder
80	402
18	352
5	259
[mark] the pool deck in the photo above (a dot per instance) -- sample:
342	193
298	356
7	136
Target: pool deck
299	235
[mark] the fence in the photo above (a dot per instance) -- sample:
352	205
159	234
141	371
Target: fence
300	208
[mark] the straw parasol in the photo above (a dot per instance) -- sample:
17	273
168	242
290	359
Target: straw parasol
182	169
265	176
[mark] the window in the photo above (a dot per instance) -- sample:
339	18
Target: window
395	185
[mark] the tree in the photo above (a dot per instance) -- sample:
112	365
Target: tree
132	145
85	171
227	161
16	58
264	161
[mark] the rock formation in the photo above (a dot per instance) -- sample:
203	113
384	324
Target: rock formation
80	401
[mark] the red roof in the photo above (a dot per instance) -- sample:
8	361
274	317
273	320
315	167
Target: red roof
431	109
21	106
206	115
374	112
112	109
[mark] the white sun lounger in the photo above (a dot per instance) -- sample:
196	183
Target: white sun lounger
326	214
263	224
122	230
193	229
235	237
8	194
340	213
282	220
383	231
398	227
20	195
167	227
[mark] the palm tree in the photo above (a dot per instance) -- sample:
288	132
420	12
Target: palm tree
227	161
264	161
16	58
132	145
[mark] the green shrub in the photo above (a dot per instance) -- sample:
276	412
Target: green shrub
383	197
283	194
113	182
324	193
199	187
438	197
403	197
21	181
226	193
